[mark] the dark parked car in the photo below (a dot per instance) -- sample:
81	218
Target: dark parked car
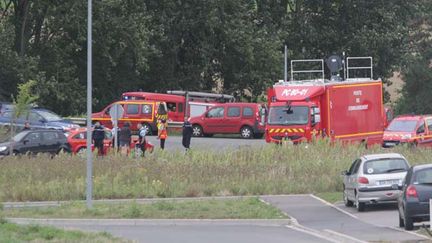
413	202
36	141
5	106
38	118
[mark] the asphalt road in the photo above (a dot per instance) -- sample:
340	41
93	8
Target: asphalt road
191	231
385	215
314	214
173	143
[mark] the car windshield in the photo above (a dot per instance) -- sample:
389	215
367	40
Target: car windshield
402	126
19	136
387	165
49	116
284	115
423	176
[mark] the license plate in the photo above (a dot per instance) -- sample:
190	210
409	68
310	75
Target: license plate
388	182
390	144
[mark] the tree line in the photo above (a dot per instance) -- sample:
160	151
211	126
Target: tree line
229	46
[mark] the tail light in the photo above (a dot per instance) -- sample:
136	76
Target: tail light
411	192
363	180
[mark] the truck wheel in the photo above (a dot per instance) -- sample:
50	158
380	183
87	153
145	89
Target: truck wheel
259	135
148	129
246	132
197	131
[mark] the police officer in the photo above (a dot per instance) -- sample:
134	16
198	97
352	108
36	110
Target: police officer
187	133
98	136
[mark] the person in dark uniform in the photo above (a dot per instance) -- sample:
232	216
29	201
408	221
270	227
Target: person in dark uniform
26	126
124	138
98	137
187	134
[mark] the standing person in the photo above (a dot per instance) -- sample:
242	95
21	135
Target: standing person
141	138
124	138
26	126
162	133
187	134
98	136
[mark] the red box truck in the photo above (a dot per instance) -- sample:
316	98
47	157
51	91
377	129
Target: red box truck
349	109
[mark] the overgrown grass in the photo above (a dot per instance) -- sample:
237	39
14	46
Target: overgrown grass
250	208
272	169
33	233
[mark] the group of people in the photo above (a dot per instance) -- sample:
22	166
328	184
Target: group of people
124	135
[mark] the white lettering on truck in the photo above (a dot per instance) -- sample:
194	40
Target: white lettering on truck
357	107
294	92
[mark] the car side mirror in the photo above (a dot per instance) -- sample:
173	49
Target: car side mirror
25	141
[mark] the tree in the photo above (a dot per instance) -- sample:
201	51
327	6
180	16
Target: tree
22	104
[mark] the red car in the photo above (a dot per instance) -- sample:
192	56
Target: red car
409	129
246	119
77	140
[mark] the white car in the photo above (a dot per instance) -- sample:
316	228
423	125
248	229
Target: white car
374	178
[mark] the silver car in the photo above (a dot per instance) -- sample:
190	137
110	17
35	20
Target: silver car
374	178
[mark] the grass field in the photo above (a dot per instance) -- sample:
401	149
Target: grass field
250	208
306	168
33	233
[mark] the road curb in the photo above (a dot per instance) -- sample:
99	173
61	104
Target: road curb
155	222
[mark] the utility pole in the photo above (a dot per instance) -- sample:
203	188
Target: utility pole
89	189
286	64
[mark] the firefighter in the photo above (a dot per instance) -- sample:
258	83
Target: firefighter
98	136
187	133
162	132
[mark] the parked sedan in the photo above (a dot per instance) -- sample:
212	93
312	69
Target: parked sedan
35	141
374	178
38	118
413	202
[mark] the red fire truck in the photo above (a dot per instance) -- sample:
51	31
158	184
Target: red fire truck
345	108
197	102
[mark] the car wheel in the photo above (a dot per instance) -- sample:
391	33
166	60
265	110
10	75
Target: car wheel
246	132
401	221
360	205
408	221
148	129
197	131
347	202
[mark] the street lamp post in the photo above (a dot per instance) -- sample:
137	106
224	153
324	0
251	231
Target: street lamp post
89	189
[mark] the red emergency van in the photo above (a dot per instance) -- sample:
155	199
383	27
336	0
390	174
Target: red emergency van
343	108
198	102
135	111
414	130
230	118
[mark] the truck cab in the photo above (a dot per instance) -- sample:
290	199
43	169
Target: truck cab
347	108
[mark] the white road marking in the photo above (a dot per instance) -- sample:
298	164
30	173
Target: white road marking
311	232
349	238
333	206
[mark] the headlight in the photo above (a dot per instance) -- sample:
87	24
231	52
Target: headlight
3	148
406	136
